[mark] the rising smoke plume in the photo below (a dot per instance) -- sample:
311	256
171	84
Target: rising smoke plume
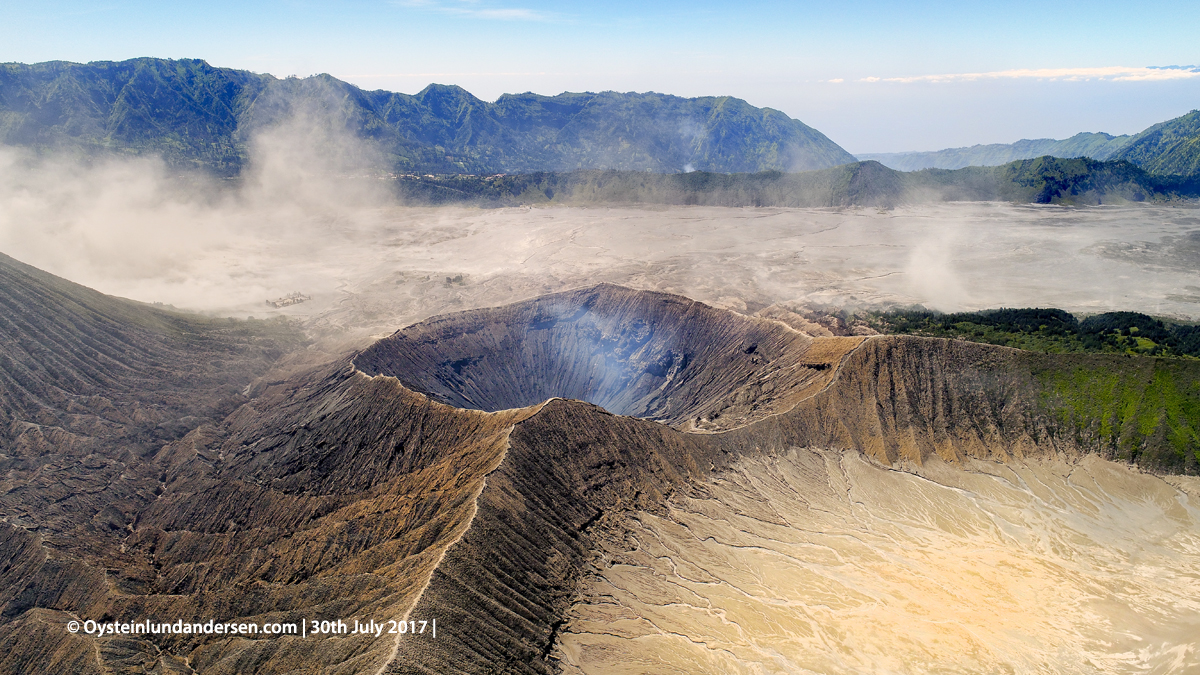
134	227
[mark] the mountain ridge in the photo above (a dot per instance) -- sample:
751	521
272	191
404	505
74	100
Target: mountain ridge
198	115
1043	180
1170	148
1099	146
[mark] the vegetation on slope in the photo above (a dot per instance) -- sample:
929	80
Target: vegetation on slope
196	115
1093	380
1051	331
1168	148
574	147
1140	410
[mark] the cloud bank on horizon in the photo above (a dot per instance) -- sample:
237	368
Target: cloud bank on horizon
1108	73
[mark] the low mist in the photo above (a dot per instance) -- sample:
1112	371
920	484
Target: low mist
933	273
315	212
135	227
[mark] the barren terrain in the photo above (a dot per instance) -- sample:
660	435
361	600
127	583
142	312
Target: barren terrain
821	562
373	270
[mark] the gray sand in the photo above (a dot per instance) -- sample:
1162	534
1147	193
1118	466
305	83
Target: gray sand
371	271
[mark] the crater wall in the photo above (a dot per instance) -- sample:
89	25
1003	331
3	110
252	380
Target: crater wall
636	353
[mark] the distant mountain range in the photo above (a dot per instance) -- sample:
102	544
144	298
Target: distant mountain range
1096	146
194	114
197	116
1167	148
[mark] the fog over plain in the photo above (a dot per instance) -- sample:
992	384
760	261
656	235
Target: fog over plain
309	217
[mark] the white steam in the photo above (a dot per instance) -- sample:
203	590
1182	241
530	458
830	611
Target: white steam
135	228
933	273
310	215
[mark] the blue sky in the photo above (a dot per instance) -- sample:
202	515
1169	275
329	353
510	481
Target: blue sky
873	76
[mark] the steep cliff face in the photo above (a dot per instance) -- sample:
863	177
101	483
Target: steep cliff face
346	493
902	398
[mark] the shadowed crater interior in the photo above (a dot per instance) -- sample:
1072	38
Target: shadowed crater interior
635	353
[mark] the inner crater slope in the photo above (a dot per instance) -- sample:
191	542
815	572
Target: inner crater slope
635	353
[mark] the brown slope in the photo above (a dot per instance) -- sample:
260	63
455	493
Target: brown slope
501	593
330	496
340	495
334	495
904	398
91	386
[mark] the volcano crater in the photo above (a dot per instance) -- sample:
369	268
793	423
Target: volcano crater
636	353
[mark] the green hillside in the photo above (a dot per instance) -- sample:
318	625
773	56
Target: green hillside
1050	180
196	115
1168	148
1144	410
1048	330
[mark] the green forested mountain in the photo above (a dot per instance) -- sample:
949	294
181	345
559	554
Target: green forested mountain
1096	146
1168	148
196	115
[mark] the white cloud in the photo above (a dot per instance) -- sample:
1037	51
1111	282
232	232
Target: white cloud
516	13
1108	73
471	9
